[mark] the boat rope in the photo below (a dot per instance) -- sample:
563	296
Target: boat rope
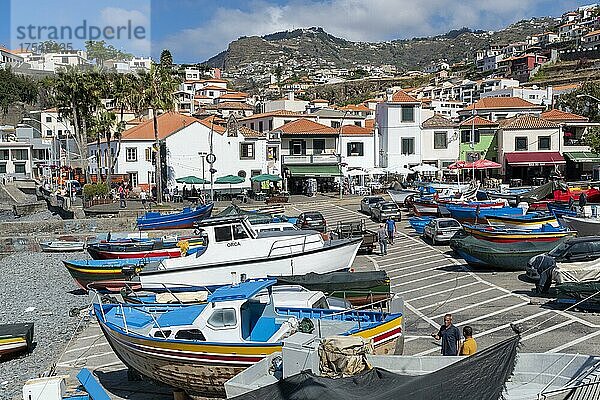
566	309
83	317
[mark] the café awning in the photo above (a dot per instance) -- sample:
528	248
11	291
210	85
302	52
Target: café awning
583	156
533	158
314	171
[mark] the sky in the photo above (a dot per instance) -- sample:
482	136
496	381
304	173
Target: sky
195	30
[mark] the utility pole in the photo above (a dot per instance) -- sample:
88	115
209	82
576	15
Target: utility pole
340	154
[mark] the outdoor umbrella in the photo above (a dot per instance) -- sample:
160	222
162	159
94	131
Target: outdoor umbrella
424	168
229	179
460	164
191	180
399	170
357	172
265	178
485	164
376	171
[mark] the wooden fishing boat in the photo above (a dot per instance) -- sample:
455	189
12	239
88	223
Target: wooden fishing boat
15	339
583	225
198	347
61	246
527	221
181	220
511	256
418	223
424	206
115	271
471	214
160	247
560	209
502	235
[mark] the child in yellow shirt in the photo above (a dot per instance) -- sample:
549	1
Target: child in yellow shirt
469	345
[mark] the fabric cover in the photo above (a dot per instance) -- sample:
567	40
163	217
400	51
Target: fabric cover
577	272
175	298
344	356
336	281
478	377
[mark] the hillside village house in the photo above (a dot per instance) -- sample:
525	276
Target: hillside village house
496	108
439	142
478	139
186	141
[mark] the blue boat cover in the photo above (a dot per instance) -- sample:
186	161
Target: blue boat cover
241	291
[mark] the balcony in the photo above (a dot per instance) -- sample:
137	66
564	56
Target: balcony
573	141
312	159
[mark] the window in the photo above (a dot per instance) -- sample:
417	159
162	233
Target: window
260	126
356	149
223	233
544	143
408	114
336	124
2	168
48	132
318	146
223	318
131	154
4	155
440	140
298	147
357	123
190	334
272	153
48	119
65	60
239	232
149	155
211	93
151	177
408	146
20	154
252	125
270	124
465	136
19	168
521	144
247	151
133	179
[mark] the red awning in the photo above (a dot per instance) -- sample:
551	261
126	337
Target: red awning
534	158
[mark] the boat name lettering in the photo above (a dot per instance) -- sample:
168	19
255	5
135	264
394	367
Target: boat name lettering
231	244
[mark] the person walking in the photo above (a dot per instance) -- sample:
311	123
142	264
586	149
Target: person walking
143	197
391	229
122	202
383	239
469	345
449	335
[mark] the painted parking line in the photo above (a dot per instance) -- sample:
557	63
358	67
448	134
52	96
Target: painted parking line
474	305
390	271
407	258
443	291
78	360
546	330
422	279
574	342
421	271
432	285
422	316
455	298
503	310
87	347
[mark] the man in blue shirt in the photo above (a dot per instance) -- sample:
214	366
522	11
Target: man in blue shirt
450	336
391	229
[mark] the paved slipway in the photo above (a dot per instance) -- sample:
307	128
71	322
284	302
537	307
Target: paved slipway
429	278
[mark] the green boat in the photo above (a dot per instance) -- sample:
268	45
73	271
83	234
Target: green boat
511	256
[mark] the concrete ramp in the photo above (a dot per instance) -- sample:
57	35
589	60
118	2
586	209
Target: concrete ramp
11	194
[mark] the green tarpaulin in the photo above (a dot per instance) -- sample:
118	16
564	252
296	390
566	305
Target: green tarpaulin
314	171
583	156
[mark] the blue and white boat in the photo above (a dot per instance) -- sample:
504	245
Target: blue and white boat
470	214
180	220
418	223
198	347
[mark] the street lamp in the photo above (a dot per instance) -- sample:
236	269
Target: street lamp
203	154
340	154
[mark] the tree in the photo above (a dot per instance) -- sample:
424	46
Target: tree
585	101
16	89
158	86
77	96
102	126
100	52
166	59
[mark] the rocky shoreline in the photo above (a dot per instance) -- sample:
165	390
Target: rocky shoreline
37	288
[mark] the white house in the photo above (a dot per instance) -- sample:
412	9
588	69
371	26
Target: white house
439	142
186	141
7	57
496	108
288	104
358	147
533	95
399	120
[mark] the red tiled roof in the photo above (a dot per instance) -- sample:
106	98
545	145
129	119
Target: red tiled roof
402	97
356	130
566	86
527	122
592	33
168	124
353	107
320	101
247	132
525	158
304	126
477	121
439	121
210	87
501	102
558	115
234	95
213	122
278	113
233	105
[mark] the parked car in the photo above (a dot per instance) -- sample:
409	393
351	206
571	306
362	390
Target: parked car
441	229
367	202
74	186
386	210
312	220
577	249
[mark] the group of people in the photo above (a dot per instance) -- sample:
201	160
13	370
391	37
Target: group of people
451	342
385	235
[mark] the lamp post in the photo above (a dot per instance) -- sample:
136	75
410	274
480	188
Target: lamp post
340	154
203	154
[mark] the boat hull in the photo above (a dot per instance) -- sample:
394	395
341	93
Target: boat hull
61	247
88	271
522	223
98	254
15	339
335	257
203	369
583	226
180	220
400	196
500	236
424	208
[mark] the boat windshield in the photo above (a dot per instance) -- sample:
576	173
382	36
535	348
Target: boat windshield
558	250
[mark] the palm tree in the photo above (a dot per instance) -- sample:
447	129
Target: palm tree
159	87
102	126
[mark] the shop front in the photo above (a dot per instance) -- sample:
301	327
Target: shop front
532	167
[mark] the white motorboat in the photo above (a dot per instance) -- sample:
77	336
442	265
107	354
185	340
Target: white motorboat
400	196
61	246
585	226
234	246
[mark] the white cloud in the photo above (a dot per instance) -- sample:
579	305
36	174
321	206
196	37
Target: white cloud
139	17
357	20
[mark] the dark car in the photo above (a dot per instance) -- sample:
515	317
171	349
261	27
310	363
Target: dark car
386	210
312	220
367	202
586	248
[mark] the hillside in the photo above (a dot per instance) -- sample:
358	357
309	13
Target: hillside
315	48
